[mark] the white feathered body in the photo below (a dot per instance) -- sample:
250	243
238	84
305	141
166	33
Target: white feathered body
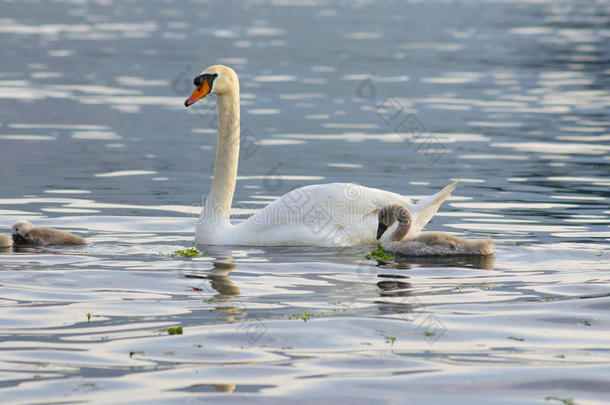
334	214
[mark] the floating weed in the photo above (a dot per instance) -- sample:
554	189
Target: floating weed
565	401
515	338
190	252
429	334
175	331
131	354
305	316
89	317
388	338
380	254
585	322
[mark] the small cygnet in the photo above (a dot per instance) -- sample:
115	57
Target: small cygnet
26	234
425	244
5	241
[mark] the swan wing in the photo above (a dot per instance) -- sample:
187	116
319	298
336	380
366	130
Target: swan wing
334	214
425	209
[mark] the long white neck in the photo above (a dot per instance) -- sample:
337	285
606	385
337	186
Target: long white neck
217	207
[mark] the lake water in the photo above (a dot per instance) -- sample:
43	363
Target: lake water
510	97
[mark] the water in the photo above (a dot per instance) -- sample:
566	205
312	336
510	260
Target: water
512	98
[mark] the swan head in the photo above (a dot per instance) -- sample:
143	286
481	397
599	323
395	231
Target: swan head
389	214
216	79
20	230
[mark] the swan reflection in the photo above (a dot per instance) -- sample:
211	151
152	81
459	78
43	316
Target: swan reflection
219	281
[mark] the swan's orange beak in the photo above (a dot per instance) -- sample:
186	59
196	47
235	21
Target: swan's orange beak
200	92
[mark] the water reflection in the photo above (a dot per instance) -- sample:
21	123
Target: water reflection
484	262
393	287
224	387
219	281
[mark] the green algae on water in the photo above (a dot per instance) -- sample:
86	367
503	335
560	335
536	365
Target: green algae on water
175	331
380	254
305	316
190	252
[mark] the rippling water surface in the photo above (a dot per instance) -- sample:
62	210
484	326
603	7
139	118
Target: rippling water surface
510	97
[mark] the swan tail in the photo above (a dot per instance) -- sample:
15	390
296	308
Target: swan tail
425	208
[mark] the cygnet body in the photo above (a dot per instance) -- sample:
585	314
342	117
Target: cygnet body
5	241
24	233
425	244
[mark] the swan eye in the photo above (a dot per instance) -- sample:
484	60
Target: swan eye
208	77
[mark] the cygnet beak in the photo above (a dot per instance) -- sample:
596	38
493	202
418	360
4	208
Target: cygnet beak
381	228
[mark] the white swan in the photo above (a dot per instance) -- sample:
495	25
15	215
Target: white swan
335	214
24	233
427	243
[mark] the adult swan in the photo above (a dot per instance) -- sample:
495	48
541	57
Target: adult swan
335	214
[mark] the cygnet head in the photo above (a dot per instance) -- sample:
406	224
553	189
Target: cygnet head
217	79
21	228
388	214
